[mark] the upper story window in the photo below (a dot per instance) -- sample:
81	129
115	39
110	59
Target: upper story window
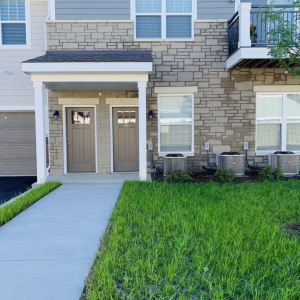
164	19
278	122
13	23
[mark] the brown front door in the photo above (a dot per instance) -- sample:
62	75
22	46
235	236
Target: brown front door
125	139
81	139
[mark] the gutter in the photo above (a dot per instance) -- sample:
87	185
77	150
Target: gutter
45	25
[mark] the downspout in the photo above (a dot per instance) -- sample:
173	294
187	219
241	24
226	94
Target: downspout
45	25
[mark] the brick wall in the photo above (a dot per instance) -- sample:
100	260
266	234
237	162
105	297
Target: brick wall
225	102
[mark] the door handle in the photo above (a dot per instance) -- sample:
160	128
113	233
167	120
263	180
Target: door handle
69	143
137	142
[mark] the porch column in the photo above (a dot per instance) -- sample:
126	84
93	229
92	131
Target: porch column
244	25
40	131
142	131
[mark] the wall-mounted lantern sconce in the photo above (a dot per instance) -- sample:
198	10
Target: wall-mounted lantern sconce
8	72
56	115
150	116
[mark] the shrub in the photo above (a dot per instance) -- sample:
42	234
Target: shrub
179	177
224	175
268	174
278	174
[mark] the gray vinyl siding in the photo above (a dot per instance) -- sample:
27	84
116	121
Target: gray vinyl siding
256	2
92	10
215	9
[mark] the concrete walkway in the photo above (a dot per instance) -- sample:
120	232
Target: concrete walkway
47	251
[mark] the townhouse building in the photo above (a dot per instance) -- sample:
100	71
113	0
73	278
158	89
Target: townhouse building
118	74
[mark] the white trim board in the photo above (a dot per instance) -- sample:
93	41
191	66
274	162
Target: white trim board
52	9
65	150
112	136
247	53
94	77
270	89
78	101
18	108
86	67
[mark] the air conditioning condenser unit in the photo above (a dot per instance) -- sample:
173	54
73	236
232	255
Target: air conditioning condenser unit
287	161
174	162
232	160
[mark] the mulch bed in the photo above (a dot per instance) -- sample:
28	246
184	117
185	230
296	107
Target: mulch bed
203	177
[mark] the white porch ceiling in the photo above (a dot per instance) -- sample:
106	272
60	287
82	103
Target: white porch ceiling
92	86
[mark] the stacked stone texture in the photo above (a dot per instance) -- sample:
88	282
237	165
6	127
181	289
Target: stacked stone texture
224	105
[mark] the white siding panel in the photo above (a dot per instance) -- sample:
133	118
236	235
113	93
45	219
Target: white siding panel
16	89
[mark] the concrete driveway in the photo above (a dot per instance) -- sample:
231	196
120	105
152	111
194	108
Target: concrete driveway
47	251
13	186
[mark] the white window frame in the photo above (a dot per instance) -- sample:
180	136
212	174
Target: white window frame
164	15
283	123
187	153
27	26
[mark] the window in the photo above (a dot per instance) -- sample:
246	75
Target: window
278	122
81	117
164	19
13	22
175	124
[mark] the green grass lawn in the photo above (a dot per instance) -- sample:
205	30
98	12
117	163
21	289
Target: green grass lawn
10	210
200	241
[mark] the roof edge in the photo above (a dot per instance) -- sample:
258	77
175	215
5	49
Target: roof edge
98	52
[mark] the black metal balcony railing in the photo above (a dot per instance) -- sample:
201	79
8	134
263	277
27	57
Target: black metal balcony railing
233	34
262	27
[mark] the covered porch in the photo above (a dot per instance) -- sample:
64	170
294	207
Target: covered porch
93	75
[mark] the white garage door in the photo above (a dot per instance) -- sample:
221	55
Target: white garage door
17	143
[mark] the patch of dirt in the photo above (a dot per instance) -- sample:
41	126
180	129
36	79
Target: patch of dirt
203	177
294	228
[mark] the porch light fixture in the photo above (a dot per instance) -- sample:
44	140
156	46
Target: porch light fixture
56	115
150	116
8	72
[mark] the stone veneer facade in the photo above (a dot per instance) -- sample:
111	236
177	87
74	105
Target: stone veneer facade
224	112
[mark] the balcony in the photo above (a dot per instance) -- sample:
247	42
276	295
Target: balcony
245	51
